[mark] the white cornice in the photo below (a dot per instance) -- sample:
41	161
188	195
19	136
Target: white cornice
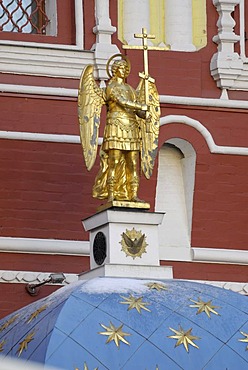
164	99
33	277
74	139
26	277
44	246
82	248
232	256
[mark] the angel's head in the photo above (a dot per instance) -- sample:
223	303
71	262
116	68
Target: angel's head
120	68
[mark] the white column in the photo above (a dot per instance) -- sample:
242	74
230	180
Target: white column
226	65
135	16
226	38
79	24
104	30
178	24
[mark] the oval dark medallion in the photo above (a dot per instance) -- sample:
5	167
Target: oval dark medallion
99	248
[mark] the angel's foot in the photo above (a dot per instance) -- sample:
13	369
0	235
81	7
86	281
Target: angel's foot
111	197
137	200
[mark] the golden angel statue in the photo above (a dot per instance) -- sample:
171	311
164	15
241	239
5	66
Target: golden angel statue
130	135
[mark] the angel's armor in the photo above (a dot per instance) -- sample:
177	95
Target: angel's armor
122	127
122	142
127	136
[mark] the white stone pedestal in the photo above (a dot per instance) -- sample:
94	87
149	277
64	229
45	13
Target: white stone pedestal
124	243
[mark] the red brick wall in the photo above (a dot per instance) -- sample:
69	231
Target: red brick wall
220	194
14	296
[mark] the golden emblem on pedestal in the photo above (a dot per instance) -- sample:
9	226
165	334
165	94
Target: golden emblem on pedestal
133	243
131	130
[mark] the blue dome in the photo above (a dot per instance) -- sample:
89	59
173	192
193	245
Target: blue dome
115	323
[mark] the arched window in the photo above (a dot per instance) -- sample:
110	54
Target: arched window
178	23
174	196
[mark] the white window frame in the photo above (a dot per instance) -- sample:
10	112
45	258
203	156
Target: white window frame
65	61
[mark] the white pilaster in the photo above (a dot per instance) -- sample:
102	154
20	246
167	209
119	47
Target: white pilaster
103	29
135	16
178	24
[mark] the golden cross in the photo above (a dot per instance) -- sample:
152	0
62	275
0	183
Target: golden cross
145	75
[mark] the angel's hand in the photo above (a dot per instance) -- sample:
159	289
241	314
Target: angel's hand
144	107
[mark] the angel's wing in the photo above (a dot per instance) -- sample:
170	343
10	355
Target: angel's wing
149	128
90	101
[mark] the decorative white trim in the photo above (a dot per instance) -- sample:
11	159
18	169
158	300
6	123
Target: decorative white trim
44	246
232	256
74	139
31	277
27	277
241	288
228	68
82	248
65	61
203	102
42	60
214	148
165	99
32	136
103	30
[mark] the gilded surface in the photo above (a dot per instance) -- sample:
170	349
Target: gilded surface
156	286
131	129
114	334
206	307
24	344
184	337
36	313
135	303
2	343
245	340
7	323
133	243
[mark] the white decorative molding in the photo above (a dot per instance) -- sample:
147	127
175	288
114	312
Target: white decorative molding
43	59
203	102
64	61
44	246
32	136
82	248
214	148
241	288
231	256
165	99
27	277
74	139
228	68
103	47
204	255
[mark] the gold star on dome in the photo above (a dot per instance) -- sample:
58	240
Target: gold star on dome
2	343
35	314
245	340
7	323
115	334
206	307
184	337
24	344
86	367
157	286
135	303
